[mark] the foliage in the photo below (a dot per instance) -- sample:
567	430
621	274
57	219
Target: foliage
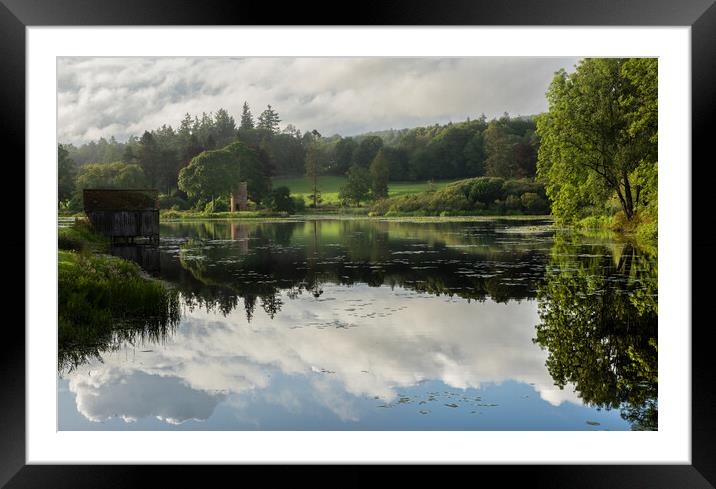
281	200
66	174
107	176
173	201
110	175
450	151
598	317
471	195
219	204
379	174
357	186
315	165
210	174
100	296
247	120
345	148
599	138
80	237
269	120
366	151
252	170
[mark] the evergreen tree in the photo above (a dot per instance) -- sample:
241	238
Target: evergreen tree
224	129
247	120
269	120
148	157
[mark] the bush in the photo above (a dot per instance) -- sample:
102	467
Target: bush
522	186
299	205
69	242
533	202
486	189
172	202
280	200
513	202
473	195
648	231
220	204
595	222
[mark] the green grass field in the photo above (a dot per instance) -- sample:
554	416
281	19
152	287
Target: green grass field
329	186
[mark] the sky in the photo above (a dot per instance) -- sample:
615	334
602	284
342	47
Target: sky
120	97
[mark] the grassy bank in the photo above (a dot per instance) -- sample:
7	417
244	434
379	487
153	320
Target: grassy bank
171	215
642	227
102	298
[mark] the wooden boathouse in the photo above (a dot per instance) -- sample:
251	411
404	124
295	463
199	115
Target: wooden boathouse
124	215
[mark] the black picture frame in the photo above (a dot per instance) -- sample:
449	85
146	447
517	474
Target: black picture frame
16	15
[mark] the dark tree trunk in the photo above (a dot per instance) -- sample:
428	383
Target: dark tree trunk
629	209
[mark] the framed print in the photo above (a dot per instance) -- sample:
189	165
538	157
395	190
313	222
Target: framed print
431	237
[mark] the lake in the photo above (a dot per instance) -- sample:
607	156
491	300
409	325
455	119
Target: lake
365	324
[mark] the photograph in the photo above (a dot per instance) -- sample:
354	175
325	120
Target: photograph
357	243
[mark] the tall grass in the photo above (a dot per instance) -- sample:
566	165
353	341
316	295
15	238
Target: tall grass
104	300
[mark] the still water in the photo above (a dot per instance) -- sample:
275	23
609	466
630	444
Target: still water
350	324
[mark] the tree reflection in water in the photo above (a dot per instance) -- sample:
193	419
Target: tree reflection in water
296	257
598	312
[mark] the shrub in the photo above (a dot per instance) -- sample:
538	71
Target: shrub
595	222
280	200
299	205
513	202
533	202
220	204
486	189
522	186
463	197
172	202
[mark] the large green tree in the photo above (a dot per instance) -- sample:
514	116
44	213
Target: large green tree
599	137
357	186
211	174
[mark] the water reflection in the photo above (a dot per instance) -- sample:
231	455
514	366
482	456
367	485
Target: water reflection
599	324
388	325
473	262
144	255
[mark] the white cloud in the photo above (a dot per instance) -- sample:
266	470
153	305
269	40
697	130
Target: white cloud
464	345
124	96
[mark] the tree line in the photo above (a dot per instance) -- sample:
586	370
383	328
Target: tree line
504	147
